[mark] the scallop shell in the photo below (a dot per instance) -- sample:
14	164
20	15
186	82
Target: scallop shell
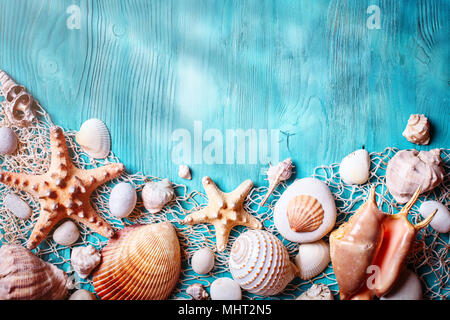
8	141
23	276
197	292
142	262
418	129
305	213
94	139
441	221
84	260
203	261
122	200
260	263
157	194
407	287
317	292
184	172
225	289
17	206
355	168
312	259
82	294
66	234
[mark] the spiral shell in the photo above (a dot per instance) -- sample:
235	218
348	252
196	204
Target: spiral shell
418	129
157	194
312	259
94	139
23	276
260	263
142	262
304	213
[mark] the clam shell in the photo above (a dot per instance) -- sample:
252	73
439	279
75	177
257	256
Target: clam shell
312	259
260	263
66	234
84	260
142	262
94	139
17	206
355	168
157	194
8	141
23	276
305	213
122	200
203	261
225	289
441	221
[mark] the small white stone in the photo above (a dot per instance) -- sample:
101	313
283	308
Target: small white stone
82	294
17	206
225	289
184	172
355	168
203	261
441	221
8	141
122	200
66	234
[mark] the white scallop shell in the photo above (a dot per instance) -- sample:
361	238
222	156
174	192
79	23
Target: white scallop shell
355	168
225	289
418	129
184	172
312	259
317	292
17	206
203	261
260	263
441	221
157	194
122	200
8	141
84	260
310	187
82	294
94	139
407	287
66	234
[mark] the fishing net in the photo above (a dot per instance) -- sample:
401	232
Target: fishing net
429	257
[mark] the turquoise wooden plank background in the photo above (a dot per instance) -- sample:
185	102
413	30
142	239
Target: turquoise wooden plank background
311	69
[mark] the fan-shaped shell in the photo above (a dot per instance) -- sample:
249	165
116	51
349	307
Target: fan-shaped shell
157	194
23	276
312	259
142	262
305	213
260	263
94	139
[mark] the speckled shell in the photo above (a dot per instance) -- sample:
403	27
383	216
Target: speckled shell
84	260
23	276
122	200
8	141
142	262
418	129
305	213
312	259
94	139
260	263
157	194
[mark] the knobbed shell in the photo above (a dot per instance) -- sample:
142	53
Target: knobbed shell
157	194
441	221
225	289
184	172
276	174
418	129
17	206
142	262
355	168
122	200
82	294
407	287
312	259
197	291
8	141
26	277
84	260
304	213
410	169
203	261
317	292
66	234
94	139
260	263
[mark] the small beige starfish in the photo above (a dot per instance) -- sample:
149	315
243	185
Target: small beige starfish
224	211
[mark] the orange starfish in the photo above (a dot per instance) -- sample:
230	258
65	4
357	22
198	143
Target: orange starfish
64	191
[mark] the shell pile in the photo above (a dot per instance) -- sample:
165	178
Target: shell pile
418	129
94	139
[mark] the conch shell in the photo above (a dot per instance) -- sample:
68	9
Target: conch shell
19	103
418	129
410	169
372	240
276	174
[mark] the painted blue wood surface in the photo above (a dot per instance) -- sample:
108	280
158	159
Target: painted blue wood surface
311	69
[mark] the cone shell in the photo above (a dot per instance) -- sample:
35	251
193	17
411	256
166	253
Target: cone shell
94	139
23	276
260	263
142	262
305	213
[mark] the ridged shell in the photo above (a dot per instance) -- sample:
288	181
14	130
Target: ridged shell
260	263
8	141
23	276
312	259
142	262
157	194
418	129
84	260
305	213
122	200
94	139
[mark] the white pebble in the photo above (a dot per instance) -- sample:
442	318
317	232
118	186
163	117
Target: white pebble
441	221
82	294
17	206
66	234
203	261
122	200
8	141
225	289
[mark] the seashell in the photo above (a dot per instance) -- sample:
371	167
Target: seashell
157	194
8	141
312	259
66	234
407	287
197	292
276	174
84	260
143	262
305	214
418	129
317	292
355	168
122	200
225	289
19	104
94	139
26	277
410	169
203	261
184	172
17	206
82	294
260	263
441	221
313	189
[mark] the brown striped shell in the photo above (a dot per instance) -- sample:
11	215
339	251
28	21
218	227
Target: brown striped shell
141	262
23	276
305	213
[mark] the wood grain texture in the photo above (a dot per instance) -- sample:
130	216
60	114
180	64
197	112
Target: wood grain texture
311	69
